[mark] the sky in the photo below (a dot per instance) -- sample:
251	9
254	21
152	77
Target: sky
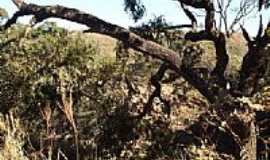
113	11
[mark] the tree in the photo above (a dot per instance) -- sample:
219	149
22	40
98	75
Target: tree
230	108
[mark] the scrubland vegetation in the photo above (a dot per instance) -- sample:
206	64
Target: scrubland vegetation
60	91
153	91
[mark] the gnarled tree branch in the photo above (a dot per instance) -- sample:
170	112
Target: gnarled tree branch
254	63
134	41
97	25
221	53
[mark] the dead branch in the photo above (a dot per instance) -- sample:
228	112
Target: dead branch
99	26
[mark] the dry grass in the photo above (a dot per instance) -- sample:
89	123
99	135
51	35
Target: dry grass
11	139
106	44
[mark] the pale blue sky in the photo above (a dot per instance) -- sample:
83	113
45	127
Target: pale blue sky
112	11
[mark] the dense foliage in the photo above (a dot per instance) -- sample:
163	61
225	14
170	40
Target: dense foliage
60	86
43	71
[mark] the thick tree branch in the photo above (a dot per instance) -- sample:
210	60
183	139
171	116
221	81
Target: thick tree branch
99	26
210	16
222	56
207	5
178	27
246	35
260	31
221	52
198	36
200	84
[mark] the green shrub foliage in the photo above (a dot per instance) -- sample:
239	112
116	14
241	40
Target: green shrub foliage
46	70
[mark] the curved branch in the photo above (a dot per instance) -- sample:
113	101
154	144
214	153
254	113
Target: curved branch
190	15
260	31
207	5
99	26
221	52
245	34
134	41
